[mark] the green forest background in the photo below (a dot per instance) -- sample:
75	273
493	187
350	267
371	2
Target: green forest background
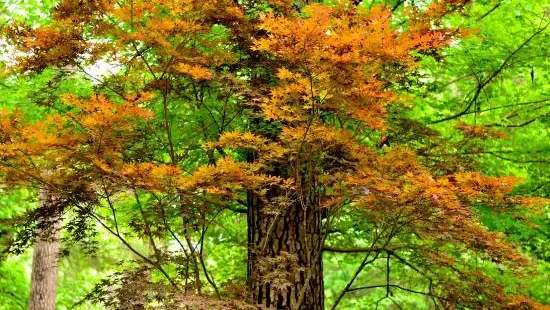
515	98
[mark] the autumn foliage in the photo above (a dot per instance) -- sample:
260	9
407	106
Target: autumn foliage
312	118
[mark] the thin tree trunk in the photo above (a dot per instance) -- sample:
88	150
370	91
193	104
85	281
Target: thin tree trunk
45	254
287	246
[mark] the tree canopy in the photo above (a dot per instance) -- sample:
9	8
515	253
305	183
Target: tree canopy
282	154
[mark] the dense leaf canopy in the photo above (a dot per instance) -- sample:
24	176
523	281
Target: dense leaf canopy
415	130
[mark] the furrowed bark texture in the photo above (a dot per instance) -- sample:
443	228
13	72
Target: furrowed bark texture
45	254
297	231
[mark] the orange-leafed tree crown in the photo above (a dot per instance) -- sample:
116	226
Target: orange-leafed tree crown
218	105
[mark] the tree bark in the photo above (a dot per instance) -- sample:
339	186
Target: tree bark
46	253
285	245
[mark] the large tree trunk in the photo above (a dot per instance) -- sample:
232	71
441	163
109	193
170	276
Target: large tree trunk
46	253
284	256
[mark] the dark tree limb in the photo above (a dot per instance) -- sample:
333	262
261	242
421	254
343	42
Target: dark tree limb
209	278
353	250
137	253
397	5
488	80
390	285
497	154
489	12
363	264
520	124
508	106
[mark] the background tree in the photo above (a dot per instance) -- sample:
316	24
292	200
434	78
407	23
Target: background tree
215	107
46	253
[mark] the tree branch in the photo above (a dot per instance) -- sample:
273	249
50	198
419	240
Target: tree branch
520	124
390	285
481	85
143	257
508	106
397	5
489	12
351	250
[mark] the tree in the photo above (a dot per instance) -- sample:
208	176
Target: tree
268	108
46	254
78	270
